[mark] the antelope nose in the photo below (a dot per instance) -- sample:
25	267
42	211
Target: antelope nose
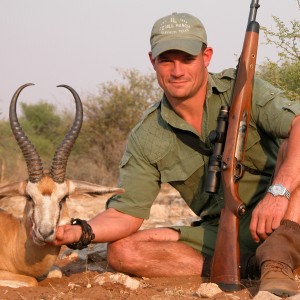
46	233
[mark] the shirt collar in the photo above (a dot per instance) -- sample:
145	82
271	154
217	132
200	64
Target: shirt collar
170	116
215	82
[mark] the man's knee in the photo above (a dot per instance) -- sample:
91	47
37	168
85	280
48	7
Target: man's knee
114	252
120	253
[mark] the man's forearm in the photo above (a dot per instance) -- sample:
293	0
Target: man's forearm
288	173
108	226
112	225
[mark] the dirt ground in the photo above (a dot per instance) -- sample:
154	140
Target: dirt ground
81	286
81	270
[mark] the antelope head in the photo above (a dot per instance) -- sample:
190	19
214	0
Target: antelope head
46	192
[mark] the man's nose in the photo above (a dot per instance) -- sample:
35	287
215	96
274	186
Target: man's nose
178	69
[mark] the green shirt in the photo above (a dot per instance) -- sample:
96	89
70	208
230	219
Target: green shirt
154	154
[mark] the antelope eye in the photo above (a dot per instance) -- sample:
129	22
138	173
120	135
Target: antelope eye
63	200
28	198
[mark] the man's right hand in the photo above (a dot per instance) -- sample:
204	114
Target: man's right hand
67	234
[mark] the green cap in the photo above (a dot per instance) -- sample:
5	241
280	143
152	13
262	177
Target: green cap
179	31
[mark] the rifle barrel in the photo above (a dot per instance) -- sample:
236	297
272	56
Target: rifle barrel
253	10
225	269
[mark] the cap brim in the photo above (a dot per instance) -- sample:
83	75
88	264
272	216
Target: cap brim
192	47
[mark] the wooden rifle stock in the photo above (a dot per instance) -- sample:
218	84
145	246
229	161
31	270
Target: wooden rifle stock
226	260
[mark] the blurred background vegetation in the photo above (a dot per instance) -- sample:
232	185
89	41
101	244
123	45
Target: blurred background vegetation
108	118
116	108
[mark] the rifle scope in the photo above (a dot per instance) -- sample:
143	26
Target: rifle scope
217	138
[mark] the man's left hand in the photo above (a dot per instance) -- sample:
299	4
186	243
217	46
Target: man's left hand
267	215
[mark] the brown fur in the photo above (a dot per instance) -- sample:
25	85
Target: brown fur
46	185
22	261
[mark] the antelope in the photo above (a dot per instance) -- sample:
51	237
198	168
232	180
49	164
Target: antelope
25	252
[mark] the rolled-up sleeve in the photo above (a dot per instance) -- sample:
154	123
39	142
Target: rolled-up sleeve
141	181
271	110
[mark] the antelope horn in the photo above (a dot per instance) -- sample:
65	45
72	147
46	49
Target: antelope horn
59	162
33	160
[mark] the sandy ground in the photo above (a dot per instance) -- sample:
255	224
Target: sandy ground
86	275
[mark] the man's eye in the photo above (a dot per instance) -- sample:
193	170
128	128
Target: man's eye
190	59
164	60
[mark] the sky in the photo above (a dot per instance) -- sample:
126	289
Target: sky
82	43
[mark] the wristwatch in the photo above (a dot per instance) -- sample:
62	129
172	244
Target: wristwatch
279	190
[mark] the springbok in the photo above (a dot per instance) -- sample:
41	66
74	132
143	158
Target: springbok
25	252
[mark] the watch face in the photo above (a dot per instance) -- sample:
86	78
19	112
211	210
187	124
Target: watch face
277	189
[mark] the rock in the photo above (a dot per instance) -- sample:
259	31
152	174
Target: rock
120	278
73	285
55	272
208	290
262	295
13	283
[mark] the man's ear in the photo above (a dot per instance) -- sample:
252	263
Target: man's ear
152	59
207	55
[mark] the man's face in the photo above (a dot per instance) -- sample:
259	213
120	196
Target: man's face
181	75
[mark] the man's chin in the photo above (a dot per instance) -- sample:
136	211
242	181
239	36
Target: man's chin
178	96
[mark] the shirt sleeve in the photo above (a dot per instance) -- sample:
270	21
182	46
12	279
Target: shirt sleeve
141	181
271	110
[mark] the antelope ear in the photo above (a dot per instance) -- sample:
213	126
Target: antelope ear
83	187
13	189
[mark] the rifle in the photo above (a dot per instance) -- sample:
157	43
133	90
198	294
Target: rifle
227	163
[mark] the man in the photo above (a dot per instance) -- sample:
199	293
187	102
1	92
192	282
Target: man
155	154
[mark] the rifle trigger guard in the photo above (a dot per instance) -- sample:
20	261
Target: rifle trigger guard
239	171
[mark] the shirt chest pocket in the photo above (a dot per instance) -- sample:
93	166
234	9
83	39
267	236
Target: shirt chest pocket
184	173
179	167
